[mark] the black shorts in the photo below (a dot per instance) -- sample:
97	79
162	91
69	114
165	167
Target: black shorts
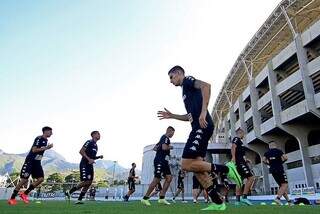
197	143
196	184
86	172
280	177
244	170
180	184
32	168
161	169
131	185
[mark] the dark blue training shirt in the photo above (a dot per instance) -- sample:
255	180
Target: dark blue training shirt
240	150
192	98
39	142
91	150
161	154
275	161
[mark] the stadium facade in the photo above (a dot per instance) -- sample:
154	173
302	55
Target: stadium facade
273	93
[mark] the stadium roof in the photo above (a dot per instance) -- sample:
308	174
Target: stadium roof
274	35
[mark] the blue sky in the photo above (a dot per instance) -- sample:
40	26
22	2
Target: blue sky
85	65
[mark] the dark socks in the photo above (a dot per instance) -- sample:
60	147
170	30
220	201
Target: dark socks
161	197
82	194
14	194
31	187
238	198
278	198
244	196
146	198
214	195
216	168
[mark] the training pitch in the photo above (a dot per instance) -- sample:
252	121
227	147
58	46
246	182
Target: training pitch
58	207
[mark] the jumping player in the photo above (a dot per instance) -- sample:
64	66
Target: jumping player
275	158
181	175
161	168
196	95
131	182
89	154
238	157
32	166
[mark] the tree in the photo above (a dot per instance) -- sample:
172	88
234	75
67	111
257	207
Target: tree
55	178
71	180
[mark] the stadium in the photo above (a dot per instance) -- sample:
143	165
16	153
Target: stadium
272	92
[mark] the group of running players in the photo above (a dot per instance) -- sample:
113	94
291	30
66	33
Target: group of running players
210	177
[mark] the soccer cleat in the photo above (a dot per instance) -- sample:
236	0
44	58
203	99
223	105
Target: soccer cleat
246	201
24	198
79	202
163	201
233	174
12	201
277	201
183	201
125	199
145	202
67	195
214	206
174	201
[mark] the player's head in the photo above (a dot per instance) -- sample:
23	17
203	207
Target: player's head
272	145
133	165
95	135
170	131
47	131
240	133
176	75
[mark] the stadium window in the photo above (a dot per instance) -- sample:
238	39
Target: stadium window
314	138
291	145
294	164
315	159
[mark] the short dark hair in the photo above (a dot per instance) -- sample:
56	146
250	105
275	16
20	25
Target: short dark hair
239	130
46	128
133	164
170	127
93	133
176	68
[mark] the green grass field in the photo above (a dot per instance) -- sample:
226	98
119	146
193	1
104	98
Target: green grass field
58	207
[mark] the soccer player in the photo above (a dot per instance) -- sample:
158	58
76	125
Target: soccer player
274	158
89	154
161	168
196	95
197	188
131	182
32	166
181	175
238	157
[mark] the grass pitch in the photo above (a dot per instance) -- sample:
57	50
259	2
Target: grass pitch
134	207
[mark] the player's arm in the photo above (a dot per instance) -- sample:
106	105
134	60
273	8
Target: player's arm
206	92
36	149
166	147
284	158
83	154
166	114
99	157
